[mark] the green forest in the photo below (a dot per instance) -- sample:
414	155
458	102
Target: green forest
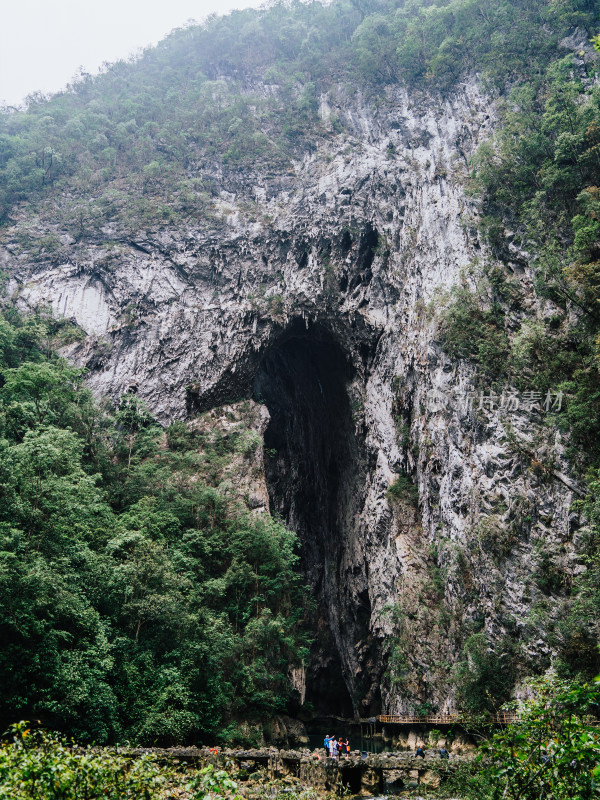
138	600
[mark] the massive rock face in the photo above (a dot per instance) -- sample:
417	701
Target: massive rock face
315	293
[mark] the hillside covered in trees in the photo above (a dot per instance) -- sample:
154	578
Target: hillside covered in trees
244	90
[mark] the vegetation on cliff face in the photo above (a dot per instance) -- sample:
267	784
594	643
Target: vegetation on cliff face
538	181
137	600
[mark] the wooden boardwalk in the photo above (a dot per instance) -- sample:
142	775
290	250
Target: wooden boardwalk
504	718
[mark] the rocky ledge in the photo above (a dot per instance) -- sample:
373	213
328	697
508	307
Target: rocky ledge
359	773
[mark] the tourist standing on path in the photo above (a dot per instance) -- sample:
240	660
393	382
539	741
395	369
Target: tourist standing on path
332	747
341	747
347	746
420	752
326	744
444	753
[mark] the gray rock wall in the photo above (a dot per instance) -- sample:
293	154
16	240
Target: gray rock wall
342	264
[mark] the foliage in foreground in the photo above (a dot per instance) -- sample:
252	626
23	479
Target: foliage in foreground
552	753
38	765
138	600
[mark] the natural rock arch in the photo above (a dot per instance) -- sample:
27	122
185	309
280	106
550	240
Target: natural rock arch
316	473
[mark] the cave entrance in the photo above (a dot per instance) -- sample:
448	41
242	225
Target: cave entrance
313	459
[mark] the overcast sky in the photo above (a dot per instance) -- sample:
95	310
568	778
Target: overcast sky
44	42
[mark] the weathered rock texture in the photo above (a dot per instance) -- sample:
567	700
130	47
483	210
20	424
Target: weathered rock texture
372	775
315	293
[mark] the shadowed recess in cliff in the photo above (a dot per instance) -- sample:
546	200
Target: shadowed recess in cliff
316	482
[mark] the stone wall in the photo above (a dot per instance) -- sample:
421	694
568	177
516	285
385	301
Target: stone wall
388	773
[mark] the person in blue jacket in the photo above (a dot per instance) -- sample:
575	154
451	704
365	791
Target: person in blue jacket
326	744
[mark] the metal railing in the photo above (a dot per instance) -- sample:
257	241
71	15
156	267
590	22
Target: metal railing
503	718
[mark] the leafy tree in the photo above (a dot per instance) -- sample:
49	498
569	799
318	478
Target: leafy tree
136	600
485	676
552	752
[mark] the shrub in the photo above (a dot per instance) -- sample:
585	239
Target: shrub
485	676
404	490
38	765
468	331
552	752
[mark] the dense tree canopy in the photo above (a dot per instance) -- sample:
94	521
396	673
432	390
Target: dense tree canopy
136	600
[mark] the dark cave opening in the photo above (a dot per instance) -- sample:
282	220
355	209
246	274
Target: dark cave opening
313	464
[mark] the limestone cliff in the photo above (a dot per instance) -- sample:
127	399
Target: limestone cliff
315	293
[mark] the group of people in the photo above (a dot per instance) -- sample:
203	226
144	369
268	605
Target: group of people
336	748
420	752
